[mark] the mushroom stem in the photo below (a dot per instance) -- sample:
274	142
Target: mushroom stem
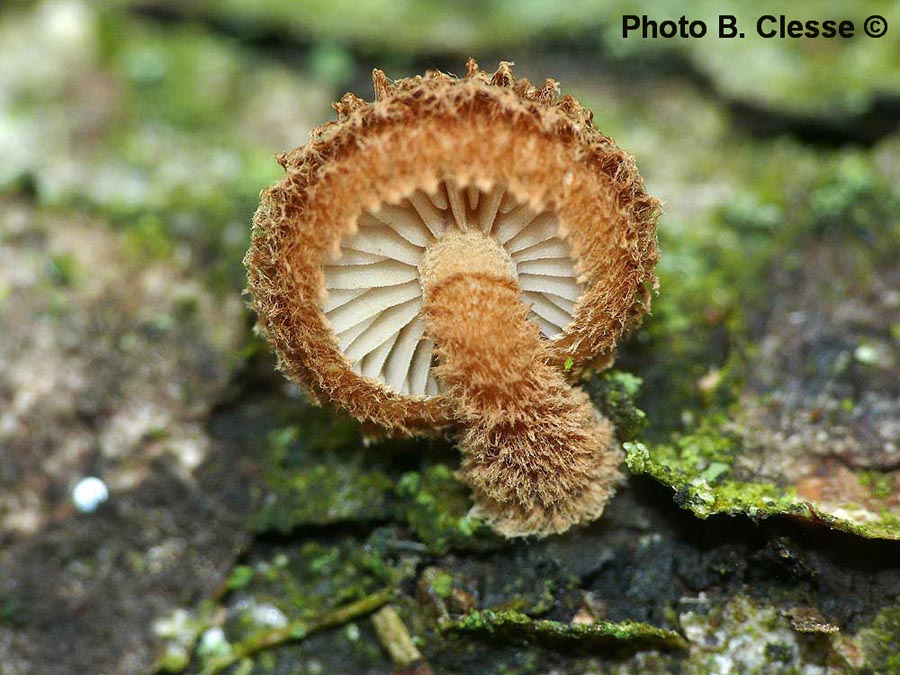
536	453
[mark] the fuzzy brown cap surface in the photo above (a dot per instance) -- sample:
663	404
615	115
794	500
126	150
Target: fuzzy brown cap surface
483	129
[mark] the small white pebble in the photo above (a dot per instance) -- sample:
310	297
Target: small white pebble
213	643
868	354
89	493
268	615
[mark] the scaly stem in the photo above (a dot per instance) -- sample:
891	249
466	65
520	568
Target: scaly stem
536	453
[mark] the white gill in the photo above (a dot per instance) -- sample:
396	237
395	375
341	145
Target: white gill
374	296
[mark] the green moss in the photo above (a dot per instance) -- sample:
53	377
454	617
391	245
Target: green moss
149	236
853	197
695	352
317	473
63	271
512	626
691	353
614	392
298	589
168	158
682	466
180	632
256	648
880	484
10	612
331	63
442	585
185	76
404	30
436	505
326	493
757	500
707	453
240	577
895	331
881	642
409	484
309	580
715	269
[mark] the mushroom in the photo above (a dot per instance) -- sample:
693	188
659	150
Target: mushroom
452	256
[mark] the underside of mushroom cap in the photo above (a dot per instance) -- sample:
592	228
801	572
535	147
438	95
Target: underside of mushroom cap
491	138
375	283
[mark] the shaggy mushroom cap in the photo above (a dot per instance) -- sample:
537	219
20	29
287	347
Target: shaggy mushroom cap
348	224
454	254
